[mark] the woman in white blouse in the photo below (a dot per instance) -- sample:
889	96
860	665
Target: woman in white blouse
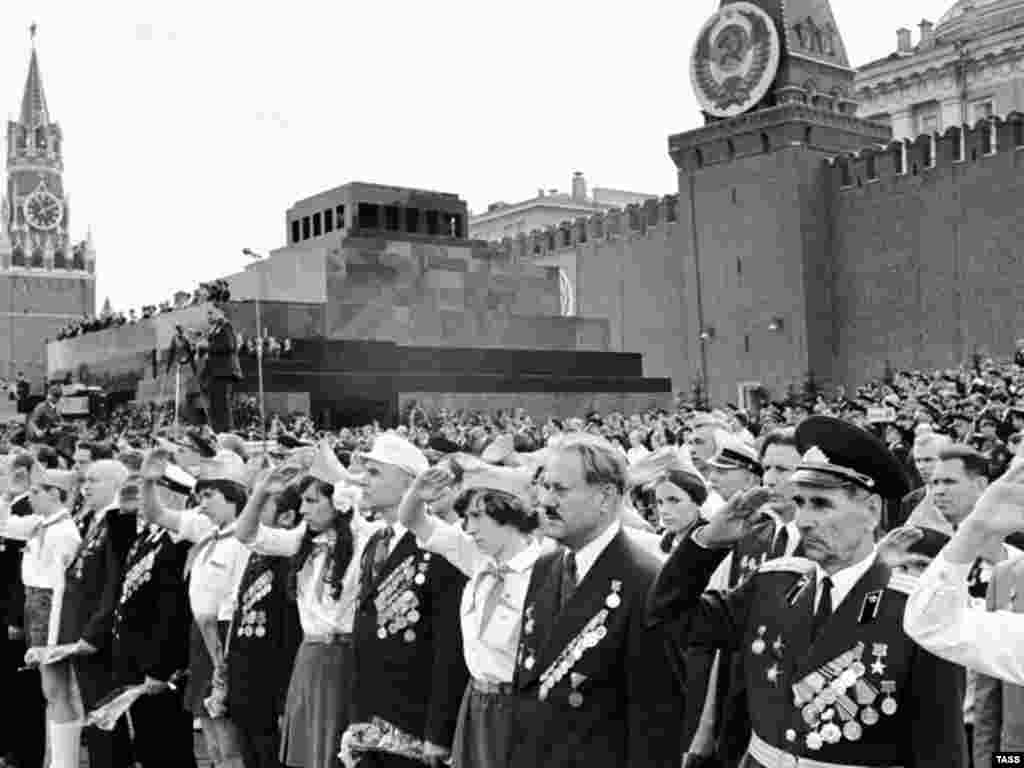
497	550
326	549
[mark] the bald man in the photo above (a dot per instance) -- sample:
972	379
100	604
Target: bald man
92	586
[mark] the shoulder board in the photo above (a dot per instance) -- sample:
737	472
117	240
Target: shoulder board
902	582
787	565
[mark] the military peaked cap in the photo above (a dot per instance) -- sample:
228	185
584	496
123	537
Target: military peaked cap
837	453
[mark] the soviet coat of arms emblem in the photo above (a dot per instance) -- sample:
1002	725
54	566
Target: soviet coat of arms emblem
735	59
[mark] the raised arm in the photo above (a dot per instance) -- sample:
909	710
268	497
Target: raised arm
260	538
152	472
435	535
412	511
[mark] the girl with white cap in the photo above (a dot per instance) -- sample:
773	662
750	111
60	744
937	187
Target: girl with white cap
497	551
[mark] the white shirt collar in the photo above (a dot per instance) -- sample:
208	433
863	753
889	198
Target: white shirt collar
844	580
399	530
587	556
523	561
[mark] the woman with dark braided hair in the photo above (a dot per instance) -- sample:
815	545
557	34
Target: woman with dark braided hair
323	579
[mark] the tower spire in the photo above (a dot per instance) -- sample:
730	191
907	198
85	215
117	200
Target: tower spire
33	102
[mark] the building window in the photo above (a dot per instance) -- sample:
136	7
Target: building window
412	220
18	257
391	218
60	261
77	259
317	231
433	223
296	232
369	216
456	226
982	110
305	228
37	258
328	221
926	118
871	165
339	213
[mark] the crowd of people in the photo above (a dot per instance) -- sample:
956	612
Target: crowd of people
691	585
216	291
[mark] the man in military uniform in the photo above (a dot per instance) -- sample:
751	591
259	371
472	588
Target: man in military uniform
409	666
831	677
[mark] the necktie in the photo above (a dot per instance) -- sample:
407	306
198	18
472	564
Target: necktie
824	607
569	579
381	551
781	542
497	574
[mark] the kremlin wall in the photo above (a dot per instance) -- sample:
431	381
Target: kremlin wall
801	242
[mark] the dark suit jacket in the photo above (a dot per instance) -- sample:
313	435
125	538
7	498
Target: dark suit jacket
260	664
628	706
414	677
222	354
92	587
12	591
776	604
152	617
999	706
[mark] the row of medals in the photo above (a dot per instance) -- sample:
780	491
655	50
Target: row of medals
254	623
593	633
140	574
823	695
395	614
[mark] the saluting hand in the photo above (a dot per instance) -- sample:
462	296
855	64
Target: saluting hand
1000	510
431	484
435	756
735	520
894	549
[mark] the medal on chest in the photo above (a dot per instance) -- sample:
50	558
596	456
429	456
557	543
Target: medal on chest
253	622
88	549
138	576
839	699
593	632
397	602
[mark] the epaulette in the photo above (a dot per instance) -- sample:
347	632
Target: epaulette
787	564
902	582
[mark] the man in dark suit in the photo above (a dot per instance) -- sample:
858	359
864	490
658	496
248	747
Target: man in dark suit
221	369
593	681
92	586
23	740
150	640
409	667
830	674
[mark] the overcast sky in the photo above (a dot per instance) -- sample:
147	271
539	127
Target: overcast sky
191	126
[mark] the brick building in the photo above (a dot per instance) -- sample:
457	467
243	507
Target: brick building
46	278
803	240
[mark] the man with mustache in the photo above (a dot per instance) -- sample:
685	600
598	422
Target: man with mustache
830	675
593	681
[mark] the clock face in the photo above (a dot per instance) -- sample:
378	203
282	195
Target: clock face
43	210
